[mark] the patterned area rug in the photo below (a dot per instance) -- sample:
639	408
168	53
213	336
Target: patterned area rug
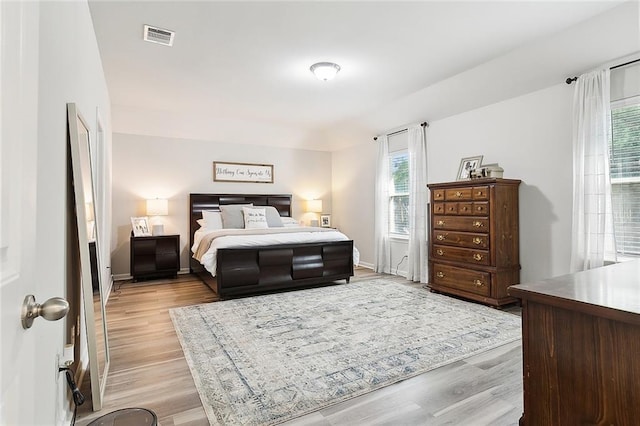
267	359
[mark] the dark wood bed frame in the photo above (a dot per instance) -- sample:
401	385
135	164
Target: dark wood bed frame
243	271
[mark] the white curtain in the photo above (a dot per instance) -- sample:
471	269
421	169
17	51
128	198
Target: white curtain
382	249
592	237
417	255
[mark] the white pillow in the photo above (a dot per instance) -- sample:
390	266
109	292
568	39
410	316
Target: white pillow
273	217
289	222
254	218
212	220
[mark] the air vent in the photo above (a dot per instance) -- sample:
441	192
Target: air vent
158	35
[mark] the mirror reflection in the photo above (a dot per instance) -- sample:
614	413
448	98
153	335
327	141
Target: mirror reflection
89	248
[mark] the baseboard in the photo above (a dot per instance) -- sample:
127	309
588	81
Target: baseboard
388	271
121	277
366	265
124	277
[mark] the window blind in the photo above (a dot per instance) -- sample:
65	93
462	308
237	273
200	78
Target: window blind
399	193
624	154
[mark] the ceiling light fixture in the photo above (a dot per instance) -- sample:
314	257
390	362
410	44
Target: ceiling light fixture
325	70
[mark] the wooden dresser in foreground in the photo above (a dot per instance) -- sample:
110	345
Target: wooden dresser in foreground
581	347
474	239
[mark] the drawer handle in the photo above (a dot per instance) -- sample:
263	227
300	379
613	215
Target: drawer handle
458	194
440	252
477	256
479	193
479	208
464	209
438	195
477	240
440	237
478	283
440	275
451	209
440	222
477	224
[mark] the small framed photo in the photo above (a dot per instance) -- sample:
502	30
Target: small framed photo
467	166
325	220
140	226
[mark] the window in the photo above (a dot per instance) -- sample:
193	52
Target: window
399	193
624	155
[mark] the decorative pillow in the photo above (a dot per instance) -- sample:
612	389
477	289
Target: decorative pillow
255	218
273	217
212	220
232	217
289	222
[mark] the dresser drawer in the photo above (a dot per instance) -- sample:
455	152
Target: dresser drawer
477	282
480	208
461	239
451	208
438	195
438	208
456	194
458	254
461	223
480	193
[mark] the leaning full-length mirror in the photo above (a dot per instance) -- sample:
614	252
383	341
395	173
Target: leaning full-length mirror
89	249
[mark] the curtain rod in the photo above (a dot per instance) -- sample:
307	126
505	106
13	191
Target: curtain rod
423	124
572	79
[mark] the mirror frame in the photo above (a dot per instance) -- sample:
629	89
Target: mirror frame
79	140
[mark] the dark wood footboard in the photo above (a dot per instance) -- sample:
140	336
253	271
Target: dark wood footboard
243	271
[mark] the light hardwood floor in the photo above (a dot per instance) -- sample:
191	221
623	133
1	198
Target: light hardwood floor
148	370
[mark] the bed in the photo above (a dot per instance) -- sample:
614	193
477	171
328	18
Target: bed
256	267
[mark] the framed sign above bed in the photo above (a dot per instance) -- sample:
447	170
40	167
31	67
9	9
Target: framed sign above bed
242	172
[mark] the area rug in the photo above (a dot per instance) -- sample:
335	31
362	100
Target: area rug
267	359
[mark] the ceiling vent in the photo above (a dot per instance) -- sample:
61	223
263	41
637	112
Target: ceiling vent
158	35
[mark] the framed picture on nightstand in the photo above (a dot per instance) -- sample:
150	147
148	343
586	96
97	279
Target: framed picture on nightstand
140	226
325	220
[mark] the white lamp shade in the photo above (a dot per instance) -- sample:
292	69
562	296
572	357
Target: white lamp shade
325	70
158	207
314	206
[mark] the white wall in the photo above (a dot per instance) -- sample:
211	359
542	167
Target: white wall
70	70
529	136
152	167
354	171
517	116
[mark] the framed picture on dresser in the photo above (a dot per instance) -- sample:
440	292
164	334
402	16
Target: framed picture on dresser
467	166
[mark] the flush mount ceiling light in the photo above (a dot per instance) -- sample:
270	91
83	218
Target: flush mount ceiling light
325	70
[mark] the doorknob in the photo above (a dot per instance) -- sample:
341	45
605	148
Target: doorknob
51	310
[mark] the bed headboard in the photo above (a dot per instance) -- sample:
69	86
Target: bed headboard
200	202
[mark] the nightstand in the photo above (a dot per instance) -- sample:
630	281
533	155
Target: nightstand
156	256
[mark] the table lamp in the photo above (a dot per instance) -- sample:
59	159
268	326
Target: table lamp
314	206
158	207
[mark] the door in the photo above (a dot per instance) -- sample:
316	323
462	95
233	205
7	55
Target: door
29	379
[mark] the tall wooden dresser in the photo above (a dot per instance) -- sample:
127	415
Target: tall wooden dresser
474	239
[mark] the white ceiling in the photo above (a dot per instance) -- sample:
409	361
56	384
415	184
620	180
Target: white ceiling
239	71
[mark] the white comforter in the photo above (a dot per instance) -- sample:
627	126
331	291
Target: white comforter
225	238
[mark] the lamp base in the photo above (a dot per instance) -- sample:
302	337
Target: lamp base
157	230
